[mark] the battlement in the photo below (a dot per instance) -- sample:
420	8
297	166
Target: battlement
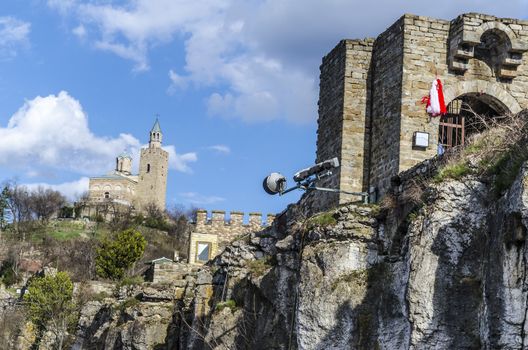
212	233
218	223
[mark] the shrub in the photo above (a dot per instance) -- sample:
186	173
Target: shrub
229	303
115	257
128	303
321	220
453	171
49	300
8	274
259	267
131	281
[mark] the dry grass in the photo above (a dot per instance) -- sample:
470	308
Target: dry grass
494	155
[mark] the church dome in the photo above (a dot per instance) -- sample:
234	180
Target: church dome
124	155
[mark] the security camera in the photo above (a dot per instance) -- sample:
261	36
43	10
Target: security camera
274	183
303	174
306	180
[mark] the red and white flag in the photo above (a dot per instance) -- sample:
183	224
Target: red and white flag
435	103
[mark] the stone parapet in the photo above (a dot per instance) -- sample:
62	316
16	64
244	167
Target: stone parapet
218	230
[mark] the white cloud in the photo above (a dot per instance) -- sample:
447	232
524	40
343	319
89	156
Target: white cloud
220	149
177	81
180	162
261	56
79	31
13	35
53	132
196	198
63	6
72	190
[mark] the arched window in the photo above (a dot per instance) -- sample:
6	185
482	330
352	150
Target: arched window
148	168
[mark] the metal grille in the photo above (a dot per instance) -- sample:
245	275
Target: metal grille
451	131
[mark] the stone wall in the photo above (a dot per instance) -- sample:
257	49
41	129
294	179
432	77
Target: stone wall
218	231
118	187
371	91
343	110
166	272
387	66
196	238
153	170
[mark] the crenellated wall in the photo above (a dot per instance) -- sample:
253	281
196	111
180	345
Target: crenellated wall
218	231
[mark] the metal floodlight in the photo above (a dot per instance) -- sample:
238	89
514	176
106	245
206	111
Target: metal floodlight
274	183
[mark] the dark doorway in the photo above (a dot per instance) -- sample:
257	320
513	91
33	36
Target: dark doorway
467	115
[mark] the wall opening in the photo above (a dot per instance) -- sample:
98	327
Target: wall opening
203	251
467	115
148	168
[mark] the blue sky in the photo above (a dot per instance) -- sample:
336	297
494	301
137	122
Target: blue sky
235	84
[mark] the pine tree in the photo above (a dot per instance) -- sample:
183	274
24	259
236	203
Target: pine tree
116	256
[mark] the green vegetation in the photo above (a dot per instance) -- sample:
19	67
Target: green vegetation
321	220
101	296
64	230
131	281
116	256
453	171
229	303
259	267
128	303
49	302
413	215
8	275
496	154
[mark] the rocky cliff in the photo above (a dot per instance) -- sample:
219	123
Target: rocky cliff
445	272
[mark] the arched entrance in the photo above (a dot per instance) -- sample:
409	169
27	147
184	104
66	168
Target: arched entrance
465	116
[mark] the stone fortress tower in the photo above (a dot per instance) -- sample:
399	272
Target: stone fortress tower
153	169
370	108
122	187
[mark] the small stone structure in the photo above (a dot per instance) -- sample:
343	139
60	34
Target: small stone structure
371	90
164	270
210	236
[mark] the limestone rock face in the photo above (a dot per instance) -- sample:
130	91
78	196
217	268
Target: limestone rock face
449	274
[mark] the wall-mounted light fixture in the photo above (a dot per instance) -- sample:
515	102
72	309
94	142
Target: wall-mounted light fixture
421	139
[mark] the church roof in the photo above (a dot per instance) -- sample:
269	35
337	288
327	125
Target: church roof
156	127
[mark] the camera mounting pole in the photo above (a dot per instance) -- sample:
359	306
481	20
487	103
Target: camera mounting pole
275	183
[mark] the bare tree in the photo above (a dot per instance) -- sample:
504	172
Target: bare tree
45	202
181	228
18	205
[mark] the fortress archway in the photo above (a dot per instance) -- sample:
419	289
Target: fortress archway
464	117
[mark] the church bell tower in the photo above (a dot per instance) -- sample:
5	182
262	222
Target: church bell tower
153	169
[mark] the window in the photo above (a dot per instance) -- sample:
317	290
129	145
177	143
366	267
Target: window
148	168
203	251
107	195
